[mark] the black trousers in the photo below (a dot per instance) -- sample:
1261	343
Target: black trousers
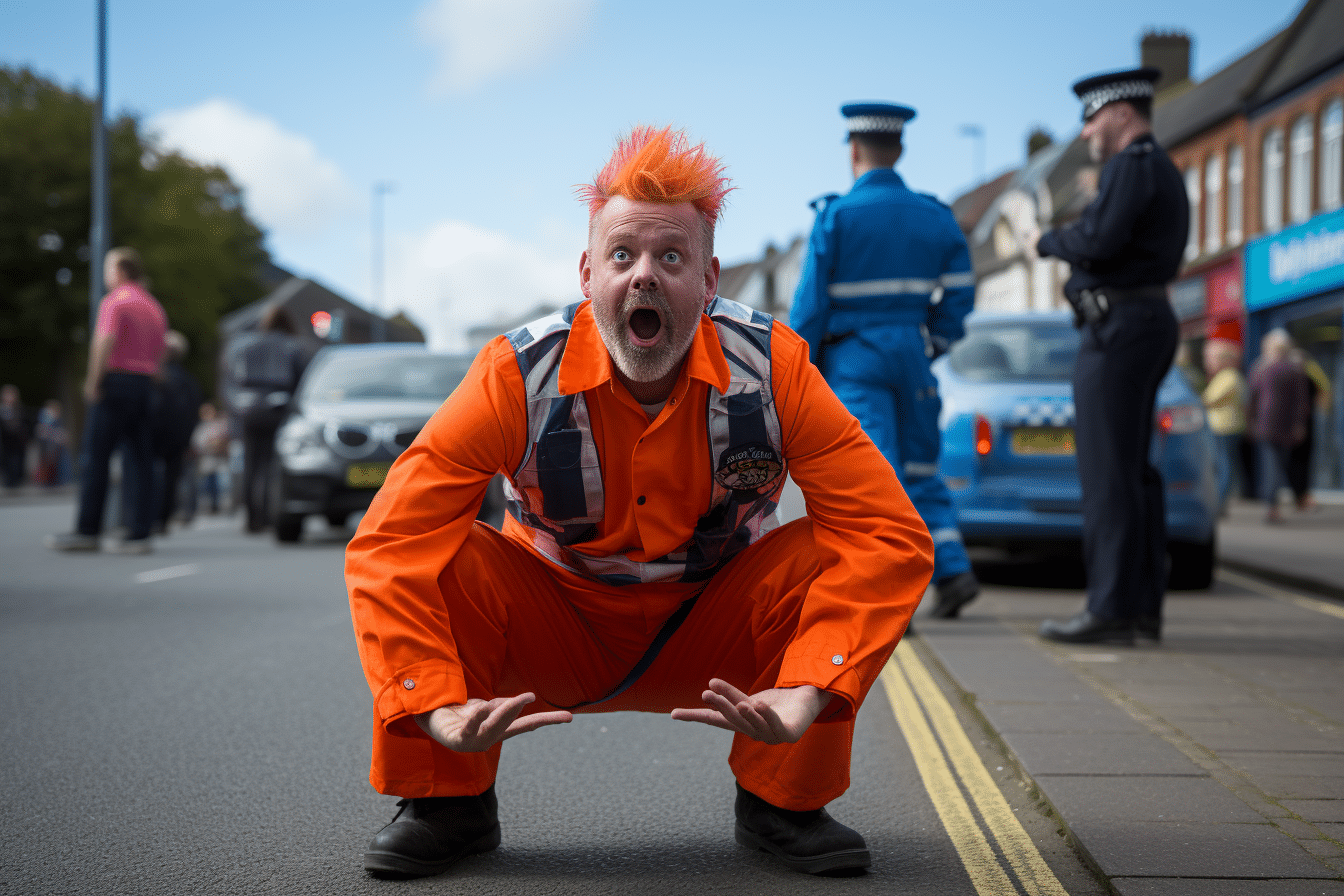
1120	364
258	455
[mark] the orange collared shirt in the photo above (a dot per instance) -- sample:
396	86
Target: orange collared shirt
874	550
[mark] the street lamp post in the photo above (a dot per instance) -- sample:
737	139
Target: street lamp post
977	133
380	189
98	227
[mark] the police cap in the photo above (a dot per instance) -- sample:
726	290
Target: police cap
1130	84
876	118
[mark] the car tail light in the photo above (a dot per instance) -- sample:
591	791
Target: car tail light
1181	419
984	436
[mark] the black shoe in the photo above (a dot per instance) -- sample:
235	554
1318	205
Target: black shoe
429	834
955	592
812	842
1149	628
1088	629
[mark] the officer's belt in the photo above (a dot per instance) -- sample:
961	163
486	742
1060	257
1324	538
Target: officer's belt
1116	294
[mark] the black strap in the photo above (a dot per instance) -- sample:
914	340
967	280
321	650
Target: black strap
659	642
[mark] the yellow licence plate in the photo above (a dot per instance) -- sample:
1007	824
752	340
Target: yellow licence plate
366	475
1056	440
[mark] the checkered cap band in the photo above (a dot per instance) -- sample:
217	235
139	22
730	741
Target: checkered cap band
1119	90
875	124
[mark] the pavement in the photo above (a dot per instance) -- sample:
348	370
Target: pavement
1212	763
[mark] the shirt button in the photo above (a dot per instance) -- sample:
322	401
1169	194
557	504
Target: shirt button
409	684
640	500
838	660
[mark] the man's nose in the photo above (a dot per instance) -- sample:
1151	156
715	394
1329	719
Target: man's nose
643	275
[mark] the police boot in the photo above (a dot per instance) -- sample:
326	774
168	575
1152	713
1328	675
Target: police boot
429	834
1088	629
955	592
812	842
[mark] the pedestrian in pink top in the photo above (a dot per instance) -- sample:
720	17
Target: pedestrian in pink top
128	342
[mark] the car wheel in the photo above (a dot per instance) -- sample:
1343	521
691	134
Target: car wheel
288	527
1192	564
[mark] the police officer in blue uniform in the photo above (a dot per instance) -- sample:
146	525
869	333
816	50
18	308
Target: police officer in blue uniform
1123	251
885	289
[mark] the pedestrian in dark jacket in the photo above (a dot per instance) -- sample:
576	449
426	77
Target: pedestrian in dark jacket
1279	407
177	411
263	371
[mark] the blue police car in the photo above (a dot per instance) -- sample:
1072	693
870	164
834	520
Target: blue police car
1008	450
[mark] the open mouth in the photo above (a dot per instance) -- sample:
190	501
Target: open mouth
645	325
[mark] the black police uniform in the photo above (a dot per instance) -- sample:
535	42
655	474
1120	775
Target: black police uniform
1124	250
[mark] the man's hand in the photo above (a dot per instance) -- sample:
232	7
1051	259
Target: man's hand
477	725
776	716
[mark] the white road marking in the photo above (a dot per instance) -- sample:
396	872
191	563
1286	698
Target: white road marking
168	572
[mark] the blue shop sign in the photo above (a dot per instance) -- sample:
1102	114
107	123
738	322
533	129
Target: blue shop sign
1300	261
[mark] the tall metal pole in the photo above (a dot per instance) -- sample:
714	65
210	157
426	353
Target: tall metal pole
977	133
380	189
98	228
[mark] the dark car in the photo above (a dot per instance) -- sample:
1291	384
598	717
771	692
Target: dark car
1008	450
356	409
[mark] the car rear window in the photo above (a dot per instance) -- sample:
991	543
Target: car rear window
359	375
1016	352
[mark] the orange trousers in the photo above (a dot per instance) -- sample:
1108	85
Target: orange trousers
521	625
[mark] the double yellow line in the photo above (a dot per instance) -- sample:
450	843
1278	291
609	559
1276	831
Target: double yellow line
949	765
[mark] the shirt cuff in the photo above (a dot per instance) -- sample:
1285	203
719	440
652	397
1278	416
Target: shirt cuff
418	688
836	678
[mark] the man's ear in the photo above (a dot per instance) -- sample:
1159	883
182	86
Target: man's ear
585	274
711	280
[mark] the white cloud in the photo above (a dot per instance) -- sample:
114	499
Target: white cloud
288	183
481	39
455	275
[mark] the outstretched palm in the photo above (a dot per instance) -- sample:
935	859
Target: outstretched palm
477	725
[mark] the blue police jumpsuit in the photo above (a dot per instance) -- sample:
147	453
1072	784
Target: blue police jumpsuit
888	275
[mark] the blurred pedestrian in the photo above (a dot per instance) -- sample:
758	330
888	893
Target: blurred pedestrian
176	413
53	445
1225	400
124	359
1123	251
885	290
263	370
210	451
1300	455
1279	408
1185	363
15	431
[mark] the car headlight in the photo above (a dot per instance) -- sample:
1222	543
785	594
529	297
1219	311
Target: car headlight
297	436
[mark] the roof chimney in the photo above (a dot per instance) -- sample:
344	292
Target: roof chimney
1168	51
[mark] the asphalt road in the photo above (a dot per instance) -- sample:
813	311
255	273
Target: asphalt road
195	721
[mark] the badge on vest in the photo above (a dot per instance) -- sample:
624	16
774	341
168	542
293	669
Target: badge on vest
748	468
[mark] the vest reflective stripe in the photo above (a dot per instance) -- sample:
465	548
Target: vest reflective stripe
957	281
864	288
557	491
920	468
943	536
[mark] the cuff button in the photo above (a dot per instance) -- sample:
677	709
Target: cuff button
838	660
409	684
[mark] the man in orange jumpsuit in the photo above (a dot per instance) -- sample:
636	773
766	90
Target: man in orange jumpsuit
645	435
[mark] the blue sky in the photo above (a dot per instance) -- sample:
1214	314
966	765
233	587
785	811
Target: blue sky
484	114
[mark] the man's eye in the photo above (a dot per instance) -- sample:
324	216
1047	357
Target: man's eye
672	257
620	255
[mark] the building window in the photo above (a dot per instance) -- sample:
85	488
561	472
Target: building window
1271	182
1213	203
1299	170
1234	195
1332	156
1192	192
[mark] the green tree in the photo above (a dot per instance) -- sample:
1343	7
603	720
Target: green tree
202	253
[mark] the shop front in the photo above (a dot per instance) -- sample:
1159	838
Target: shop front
1295	280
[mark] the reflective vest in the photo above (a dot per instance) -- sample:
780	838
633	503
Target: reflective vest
557	492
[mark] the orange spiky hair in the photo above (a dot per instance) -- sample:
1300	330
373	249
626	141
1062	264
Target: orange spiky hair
660	166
